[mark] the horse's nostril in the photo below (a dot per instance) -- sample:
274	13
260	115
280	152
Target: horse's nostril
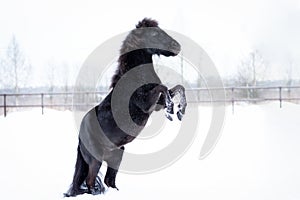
174	44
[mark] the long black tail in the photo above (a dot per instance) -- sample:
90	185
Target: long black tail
80	174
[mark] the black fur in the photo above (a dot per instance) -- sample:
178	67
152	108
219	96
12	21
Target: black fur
81	172
142	103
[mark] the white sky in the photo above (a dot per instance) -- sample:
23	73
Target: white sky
67	31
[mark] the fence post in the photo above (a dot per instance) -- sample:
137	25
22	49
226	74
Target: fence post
232	99
280	96
4	104
42	102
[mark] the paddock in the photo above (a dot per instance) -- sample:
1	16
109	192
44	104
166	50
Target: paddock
257	157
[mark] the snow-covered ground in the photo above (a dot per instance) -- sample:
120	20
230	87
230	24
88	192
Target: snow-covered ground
257	157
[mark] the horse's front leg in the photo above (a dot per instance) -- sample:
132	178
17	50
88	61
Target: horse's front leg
157	93
150	100
179	89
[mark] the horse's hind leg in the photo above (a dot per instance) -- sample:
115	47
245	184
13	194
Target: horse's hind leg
110	177
93	182
80	174
113	161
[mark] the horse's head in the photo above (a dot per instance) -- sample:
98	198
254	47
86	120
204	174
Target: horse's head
141	43
153	39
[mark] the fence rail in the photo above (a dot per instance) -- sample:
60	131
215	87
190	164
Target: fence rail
231	95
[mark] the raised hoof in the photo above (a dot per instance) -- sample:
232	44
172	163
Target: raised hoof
179	115
182	108
169	117
170	108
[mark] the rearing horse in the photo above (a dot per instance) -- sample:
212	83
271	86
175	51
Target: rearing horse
100	137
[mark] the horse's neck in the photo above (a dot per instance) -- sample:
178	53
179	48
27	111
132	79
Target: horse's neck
136	58
143	60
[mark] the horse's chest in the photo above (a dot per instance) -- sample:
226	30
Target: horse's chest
126	139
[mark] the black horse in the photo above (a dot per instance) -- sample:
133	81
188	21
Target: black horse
107	137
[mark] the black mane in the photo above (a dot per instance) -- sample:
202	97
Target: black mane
128	60
146	22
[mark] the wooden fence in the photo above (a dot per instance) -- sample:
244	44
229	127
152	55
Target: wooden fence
229	95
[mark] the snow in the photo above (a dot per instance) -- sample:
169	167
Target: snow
257	157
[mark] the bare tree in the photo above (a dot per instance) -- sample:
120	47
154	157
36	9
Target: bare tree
51	77
250	71
65	80
289	74
58	76
16	65
2	74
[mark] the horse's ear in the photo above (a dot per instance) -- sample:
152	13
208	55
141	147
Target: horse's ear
147	22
